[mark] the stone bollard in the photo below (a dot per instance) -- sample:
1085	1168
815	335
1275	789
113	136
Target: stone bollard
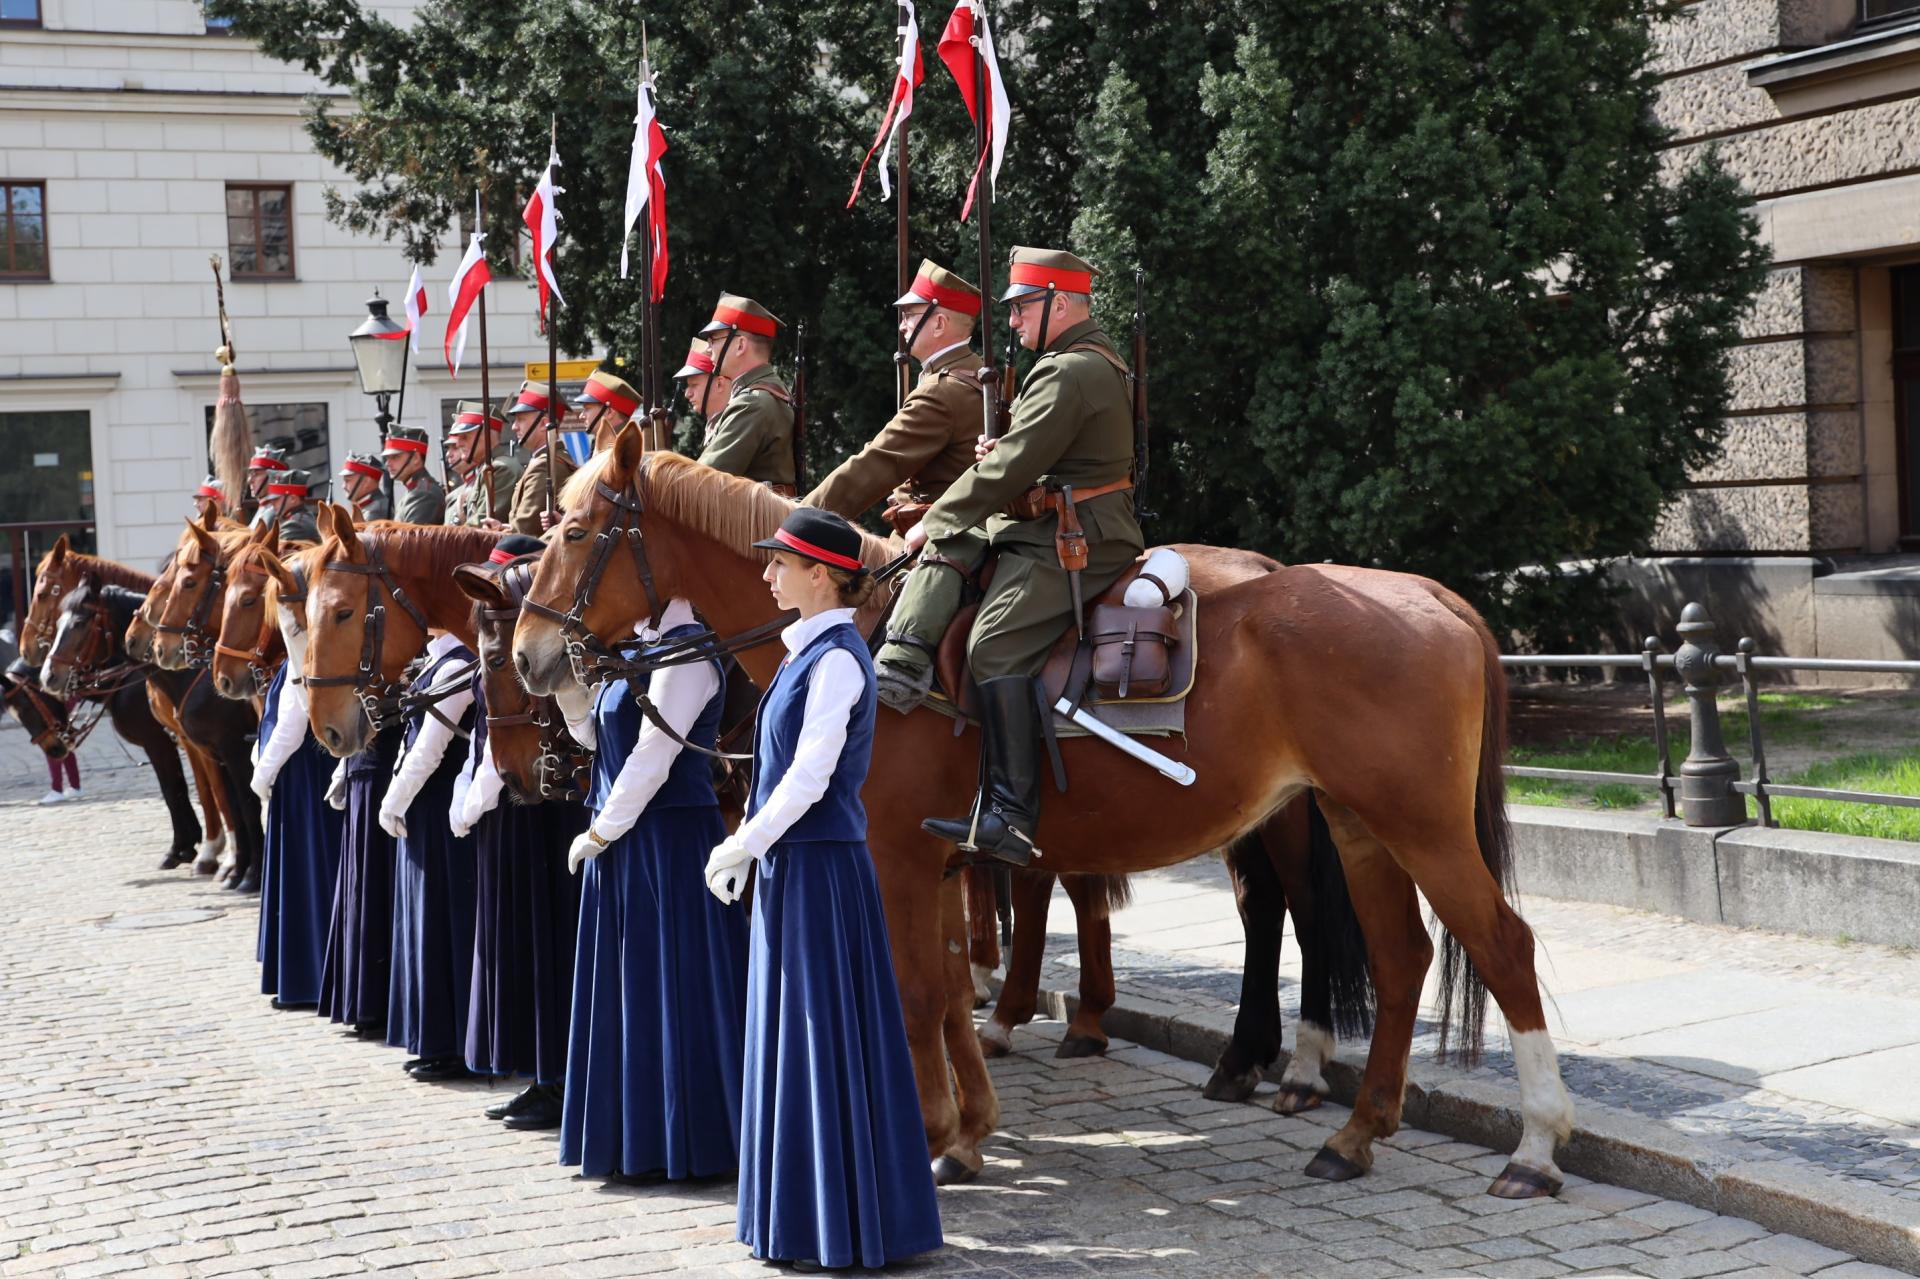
1708	775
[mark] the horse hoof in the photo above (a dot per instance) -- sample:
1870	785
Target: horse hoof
1081	1046
992	1046
1517	1181
1331	1165
206	865
175	859
1295	1099
249	883
1230	1087
949	1171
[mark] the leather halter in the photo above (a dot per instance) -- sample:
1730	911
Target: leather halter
562	761
256	657
379	698
53	718
194	635
96	638
586	653
90	678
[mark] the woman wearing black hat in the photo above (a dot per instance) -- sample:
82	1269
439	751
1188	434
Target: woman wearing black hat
833	1154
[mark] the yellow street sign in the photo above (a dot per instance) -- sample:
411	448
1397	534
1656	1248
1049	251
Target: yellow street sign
570	370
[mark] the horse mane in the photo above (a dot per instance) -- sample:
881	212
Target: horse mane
732	511
432	550
111	572
230	537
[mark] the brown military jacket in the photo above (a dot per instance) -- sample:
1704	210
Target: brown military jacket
753	435
530	494
923	450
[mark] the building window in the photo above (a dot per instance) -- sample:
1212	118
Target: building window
1881	10
216	26
23	230
260	231
48	476
299	429
19	13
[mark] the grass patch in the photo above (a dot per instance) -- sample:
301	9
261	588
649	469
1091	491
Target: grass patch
1888	774
1785	718
1625	755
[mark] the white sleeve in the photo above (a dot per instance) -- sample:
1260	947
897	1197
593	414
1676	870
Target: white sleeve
679	693
483	793
417	762
833	686
289	730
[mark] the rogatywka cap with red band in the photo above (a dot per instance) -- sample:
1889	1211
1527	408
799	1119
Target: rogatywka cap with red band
698	361
532	398
820	536
267	458
733	311
290	484
362	464
934	283
1032	270
606	388
406	439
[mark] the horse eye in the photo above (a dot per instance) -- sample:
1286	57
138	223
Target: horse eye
575	534
495	663
342	614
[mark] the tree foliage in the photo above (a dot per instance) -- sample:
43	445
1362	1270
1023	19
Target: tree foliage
1421	294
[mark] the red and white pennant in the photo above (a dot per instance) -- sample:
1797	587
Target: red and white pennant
911	74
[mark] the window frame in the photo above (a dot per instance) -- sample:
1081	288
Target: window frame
35	23
293	262
8	275
1865	21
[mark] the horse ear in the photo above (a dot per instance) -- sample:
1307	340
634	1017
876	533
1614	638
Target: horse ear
59	551
210	519
207	543
343	532
269	537
628	447
480	585
279	572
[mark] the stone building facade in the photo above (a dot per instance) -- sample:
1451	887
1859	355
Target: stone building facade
134	143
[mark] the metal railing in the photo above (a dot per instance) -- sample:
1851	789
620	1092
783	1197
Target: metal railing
20	557
1707	784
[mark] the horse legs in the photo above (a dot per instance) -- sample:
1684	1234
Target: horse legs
1032	894
915	913
1092	897
244	805
134	720
1258	896
213	803
979	1106
983	930
1288	845
1399	953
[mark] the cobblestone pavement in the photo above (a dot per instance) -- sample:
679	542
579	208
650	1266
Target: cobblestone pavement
158	1117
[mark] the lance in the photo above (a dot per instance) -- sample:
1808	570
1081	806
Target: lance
657	434
554	409
486	381
902	374
991	416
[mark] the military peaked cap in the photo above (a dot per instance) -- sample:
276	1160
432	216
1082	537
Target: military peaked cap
735	312
934	283
611	390
1032	270
406	439
698	361
468	415
362	464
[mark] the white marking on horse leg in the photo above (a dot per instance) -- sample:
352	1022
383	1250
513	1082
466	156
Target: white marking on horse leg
982	991
1312	1050
997	1035
209	853
1544	1104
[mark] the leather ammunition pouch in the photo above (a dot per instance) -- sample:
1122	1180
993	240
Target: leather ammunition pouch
1132	651
903	514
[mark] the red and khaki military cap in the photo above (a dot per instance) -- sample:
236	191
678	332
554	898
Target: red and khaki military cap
405	439
268	458
531	399
291	484
210	487
735	312
611	390
934	283
469	414
1032	270
698	361
362	464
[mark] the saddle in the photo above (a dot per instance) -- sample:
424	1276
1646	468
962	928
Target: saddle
1140	656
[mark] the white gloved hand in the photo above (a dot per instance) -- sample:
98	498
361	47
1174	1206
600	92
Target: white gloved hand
727	871
263	787
337	792
457	822
394	823
583	849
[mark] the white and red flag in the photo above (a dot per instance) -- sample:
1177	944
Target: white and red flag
471	277
646	187
910	76
416	306
966	29
542	220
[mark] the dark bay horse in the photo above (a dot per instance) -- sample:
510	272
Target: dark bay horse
1380	692
90	637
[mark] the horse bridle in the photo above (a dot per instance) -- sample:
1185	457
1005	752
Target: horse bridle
380	699
256	657
562	761
586	653
91	680
194	633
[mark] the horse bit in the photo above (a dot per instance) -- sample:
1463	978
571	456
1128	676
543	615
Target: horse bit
377	698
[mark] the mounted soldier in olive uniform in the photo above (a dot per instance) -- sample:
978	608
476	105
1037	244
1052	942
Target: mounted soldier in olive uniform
913	461
1069	452
752	435
538	434
606	404
422	500
481	500
360	477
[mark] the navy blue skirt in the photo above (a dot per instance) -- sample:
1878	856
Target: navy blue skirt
659	1007
527	913
300	865
355	976
833	1151
432	925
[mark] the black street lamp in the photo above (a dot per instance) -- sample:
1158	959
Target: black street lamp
380	358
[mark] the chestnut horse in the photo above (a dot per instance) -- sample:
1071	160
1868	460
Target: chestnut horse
1381	692
257	613
188	619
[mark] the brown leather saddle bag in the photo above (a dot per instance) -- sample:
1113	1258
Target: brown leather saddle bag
1132	651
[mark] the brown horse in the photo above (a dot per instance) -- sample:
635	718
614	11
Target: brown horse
372	594
188	619
1381	692
255	613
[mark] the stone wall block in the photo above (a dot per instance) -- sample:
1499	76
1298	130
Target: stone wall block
1718	100
1816	151
1772	446
1833	443
1792	373
1837	517
1780	310
1760	518
1719	30
1831	299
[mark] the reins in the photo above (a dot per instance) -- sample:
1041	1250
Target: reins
193	635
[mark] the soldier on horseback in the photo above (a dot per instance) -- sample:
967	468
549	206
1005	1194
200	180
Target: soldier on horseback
752	435
1068	452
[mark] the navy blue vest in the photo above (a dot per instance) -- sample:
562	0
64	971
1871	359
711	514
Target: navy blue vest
616	726
839	816
427	679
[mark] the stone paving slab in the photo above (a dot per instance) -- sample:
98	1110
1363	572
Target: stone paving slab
157	1117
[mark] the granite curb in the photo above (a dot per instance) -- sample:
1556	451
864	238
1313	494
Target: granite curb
1608	1144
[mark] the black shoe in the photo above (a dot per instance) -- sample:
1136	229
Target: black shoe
440	1070
501	1109
1008	807
542	1110
293	1005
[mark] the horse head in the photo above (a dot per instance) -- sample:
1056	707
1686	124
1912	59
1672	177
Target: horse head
526	735
82	641
43	717
61	569
183	618
359	636
249	627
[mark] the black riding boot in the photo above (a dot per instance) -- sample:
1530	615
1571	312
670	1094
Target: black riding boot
1008	808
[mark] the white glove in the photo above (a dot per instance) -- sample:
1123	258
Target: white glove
337	788
392	822
263	787
583	849
457	822
727	871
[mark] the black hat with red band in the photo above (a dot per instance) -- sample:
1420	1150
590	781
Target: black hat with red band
820	536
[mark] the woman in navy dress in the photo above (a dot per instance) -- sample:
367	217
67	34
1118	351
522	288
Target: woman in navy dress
833	1153
660	978
432	878
301	854
358	968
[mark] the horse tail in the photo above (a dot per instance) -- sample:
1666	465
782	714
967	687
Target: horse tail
1342	945
1463	994
1115	890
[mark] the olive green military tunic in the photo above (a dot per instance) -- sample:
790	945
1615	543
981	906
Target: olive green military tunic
530	494
422	500
299	527
470	506
1072	424
924	449
753	435
374	508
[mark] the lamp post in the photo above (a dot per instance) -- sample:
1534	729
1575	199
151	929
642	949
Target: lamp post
380	358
